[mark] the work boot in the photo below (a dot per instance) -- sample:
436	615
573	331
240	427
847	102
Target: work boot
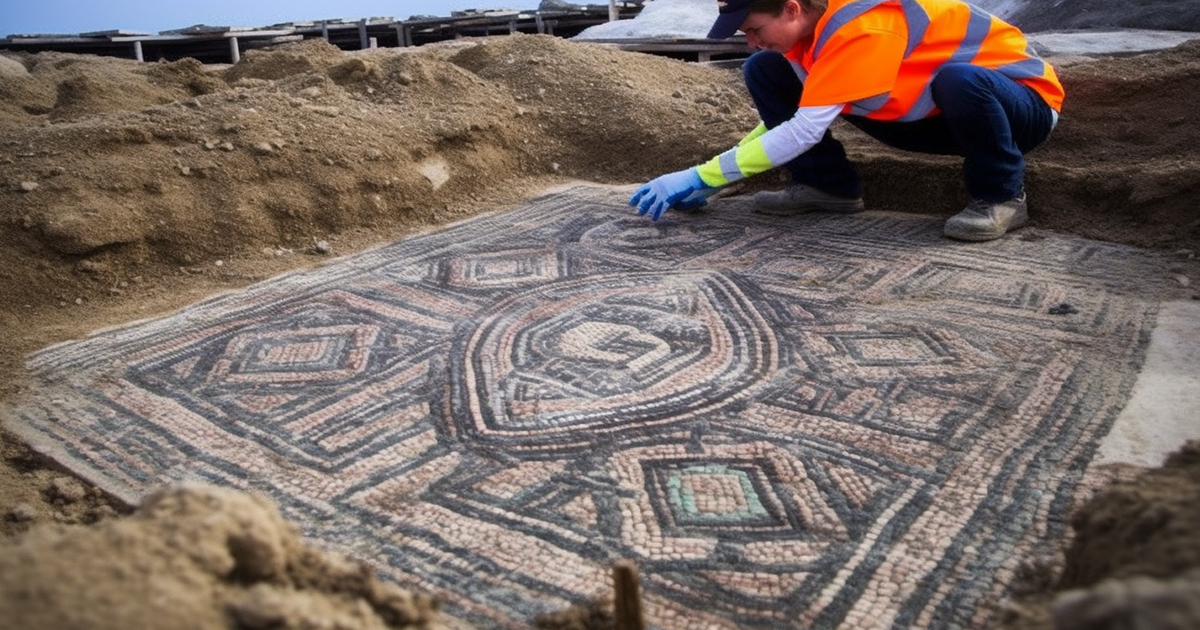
987	220
799	199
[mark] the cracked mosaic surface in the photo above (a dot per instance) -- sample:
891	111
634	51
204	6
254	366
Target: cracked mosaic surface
814	422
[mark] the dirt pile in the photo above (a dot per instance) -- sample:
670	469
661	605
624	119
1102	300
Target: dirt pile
1124	157
31	493
1135	559
1143	527
114	171
194	557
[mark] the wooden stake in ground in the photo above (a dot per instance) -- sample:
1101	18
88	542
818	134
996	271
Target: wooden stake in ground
628	596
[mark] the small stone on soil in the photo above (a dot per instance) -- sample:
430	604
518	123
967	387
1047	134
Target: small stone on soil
1063	309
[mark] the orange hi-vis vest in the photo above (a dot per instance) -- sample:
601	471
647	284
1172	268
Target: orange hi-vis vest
880	56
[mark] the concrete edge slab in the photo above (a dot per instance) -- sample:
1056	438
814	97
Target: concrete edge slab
1163	412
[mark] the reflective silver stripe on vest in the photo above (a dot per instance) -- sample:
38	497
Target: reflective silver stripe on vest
729	166
1024	69
914	15
977	29
801	73
840	18
918	22
864	106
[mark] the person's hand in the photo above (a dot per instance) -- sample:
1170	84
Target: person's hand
698	199
662	193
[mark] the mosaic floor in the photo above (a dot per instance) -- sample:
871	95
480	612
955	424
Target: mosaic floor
809	422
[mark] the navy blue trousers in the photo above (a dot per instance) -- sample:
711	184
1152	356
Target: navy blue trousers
987	118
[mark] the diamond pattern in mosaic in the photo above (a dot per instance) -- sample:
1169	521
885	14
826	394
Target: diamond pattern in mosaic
973	285
708	495
317	354
505	268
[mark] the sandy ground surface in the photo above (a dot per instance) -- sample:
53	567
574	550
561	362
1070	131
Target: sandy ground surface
129	190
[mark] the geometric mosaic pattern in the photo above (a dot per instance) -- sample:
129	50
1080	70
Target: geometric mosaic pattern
807	422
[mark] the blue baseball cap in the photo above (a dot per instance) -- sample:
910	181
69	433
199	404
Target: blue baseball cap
732	14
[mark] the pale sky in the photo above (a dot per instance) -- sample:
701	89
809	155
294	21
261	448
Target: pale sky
30	17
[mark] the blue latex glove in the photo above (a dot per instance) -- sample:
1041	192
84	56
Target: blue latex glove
697	199
664	192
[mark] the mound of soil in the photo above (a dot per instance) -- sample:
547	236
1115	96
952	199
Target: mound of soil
128	190
1134	562
193	558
